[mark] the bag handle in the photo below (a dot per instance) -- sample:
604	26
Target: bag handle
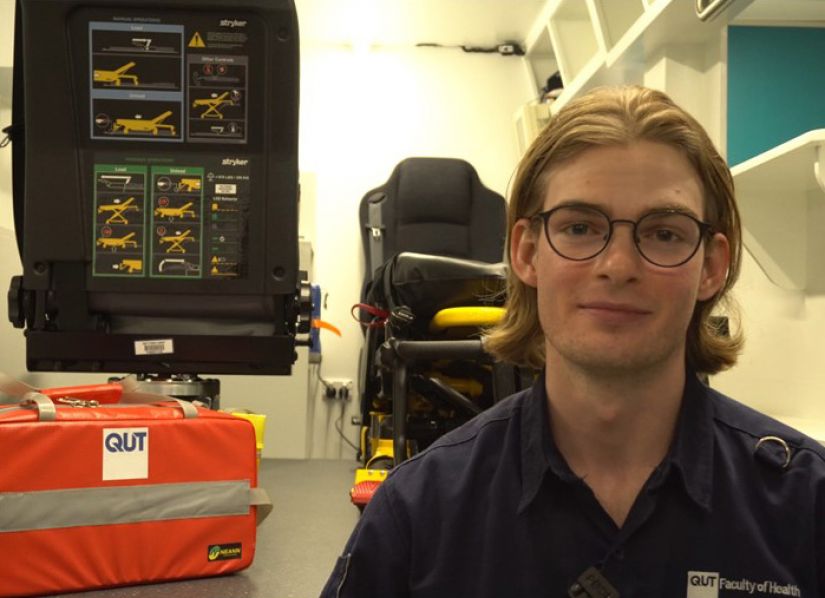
259	498
46	410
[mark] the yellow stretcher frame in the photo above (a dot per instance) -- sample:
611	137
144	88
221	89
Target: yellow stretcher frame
449	319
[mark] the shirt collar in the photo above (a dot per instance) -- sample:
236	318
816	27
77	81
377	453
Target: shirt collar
538	449
693	444
691	452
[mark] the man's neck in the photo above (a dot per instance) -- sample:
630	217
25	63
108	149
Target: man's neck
614	428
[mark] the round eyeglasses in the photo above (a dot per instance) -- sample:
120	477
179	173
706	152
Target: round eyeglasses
666	238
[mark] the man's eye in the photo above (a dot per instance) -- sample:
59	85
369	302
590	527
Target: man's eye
666	236
580	229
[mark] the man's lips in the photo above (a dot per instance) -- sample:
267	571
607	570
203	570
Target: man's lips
617	308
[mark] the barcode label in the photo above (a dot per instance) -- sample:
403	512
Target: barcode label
225	189
154	347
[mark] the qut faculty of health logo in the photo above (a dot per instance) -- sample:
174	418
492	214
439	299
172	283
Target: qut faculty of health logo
707	584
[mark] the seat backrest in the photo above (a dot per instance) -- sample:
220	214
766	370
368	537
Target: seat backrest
436	206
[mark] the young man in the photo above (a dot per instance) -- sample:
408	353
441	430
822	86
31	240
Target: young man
618	473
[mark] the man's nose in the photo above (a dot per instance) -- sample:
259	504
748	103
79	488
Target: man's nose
620	260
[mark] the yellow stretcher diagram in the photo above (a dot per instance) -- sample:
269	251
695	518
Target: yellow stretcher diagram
130	266
213	105
182	212
176	241
140	125
116	76
188	185
117	210
117	243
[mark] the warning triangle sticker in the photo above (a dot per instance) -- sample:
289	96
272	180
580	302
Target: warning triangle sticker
196	41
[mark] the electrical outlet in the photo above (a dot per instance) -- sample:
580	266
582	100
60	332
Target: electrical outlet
338	388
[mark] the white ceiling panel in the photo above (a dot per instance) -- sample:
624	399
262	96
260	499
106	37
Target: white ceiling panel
408	22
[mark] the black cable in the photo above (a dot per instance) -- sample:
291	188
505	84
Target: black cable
329	389
339	426
505	49
339	423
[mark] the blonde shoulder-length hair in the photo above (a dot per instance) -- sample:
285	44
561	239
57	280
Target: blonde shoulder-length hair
618	116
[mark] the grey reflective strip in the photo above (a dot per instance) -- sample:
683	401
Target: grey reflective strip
51	509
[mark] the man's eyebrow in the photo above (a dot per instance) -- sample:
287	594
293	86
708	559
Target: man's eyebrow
671	207
654	209
579	203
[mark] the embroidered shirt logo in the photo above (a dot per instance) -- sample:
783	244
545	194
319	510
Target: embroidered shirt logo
708	584
702	584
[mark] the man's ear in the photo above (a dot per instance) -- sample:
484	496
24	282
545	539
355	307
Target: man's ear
715	266
523	248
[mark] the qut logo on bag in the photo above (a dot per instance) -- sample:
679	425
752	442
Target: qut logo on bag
125	453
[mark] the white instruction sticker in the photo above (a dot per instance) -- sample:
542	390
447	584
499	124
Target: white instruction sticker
154	347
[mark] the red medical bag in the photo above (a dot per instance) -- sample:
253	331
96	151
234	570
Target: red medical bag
98	496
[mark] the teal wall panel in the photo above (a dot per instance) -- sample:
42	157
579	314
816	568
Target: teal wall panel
776	87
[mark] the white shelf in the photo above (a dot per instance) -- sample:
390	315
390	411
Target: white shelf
529	120
781	195
591	75
573	33
541	60
632	37
657	43
616	17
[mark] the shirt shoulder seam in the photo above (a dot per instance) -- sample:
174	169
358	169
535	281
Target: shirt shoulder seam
795	445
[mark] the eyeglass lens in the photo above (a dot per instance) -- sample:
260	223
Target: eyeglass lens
663	238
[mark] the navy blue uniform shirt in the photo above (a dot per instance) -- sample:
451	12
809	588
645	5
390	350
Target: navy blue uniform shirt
492	509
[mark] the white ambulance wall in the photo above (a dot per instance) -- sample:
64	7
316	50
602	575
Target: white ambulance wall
780	371
362	113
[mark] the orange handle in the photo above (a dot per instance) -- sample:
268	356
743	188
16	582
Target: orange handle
102	393
316	323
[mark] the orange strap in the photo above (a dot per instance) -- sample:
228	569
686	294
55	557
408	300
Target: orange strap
316	323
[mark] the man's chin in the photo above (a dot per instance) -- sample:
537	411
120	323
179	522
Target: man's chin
617	361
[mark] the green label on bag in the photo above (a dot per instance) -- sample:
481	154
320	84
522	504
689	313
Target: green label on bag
224	552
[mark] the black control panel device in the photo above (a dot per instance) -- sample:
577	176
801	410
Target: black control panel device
155	186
